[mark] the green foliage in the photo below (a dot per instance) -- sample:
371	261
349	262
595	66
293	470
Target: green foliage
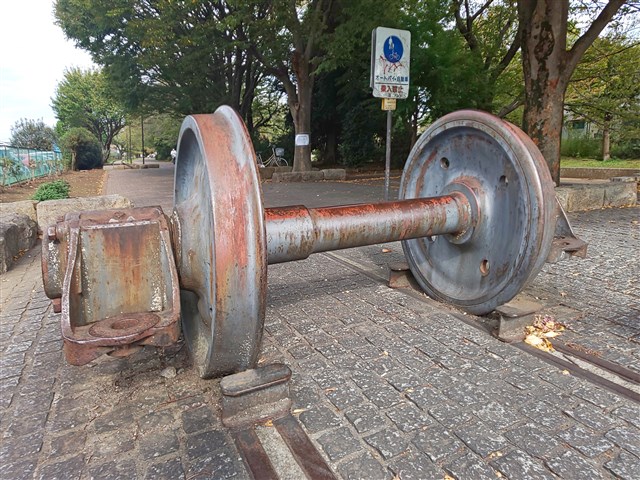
570	162
85	99
580	146
32	134
83	149
56	190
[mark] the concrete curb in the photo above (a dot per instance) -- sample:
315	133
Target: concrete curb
332	174
576	198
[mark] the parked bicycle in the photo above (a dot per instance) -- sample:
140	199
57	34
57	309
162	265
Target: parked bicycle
275	160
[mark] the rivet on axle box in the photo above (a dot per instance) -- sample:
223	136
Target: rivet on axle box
255	395
514	316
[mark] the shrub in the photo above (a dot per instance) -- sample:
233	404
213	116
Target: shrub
83	147
581	147
55	190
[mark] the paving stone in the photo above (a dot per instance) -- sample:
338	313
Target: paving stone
415	466
113	444
339	443
220	463
25	425
402	380
591	417
67	470
365	418
409	418
113	420
199	445
158	444
437	443
388	442
466	394
156	421
197	419
470	467
71	442
481	439
547	415
625	466
167	469
533	440
425	397
364	467
626	438
630	413
114	470
585	441
320	418
20	470
573	465
21	447
497	415
344	397
451	415
599	397
517	464
383	396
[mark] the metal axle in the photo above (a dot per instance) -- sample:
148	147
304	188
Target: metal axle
295	232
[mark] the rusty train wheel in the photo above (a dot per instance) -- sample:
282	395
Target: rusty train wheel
502	172
219	240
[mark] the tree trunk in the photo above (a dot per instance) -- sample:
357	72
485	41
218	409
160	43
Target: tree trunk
299	101
548	65
543	30
606	139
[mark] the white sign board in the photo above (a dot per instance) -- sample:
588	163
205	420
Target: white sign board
302	140
390	53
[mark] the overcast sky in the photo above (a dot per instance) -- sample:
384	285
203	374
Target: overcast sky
33	56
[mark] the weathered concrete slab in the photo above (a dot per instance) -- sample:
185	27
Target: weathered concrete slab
316	176
576	198
18	232
335	174
50	210
25	207
598	173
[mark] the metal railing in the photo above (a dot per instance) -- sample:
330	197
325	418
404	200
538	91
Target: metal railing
22	164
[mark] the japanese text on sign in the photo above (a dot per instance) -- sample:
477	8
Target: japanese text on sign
390	62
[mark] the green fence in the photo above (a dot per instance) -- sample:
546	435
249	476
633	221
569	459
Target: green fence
20	164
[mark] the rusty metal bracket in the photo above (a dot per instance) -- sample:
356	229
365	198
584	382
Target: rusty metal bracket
565	242
116	279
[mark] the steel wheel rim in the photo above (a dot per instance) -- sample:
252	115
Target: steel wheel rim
498	162
219	237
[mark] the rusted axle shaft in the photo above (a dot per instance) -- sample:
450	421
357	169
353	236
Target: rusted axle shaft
295	232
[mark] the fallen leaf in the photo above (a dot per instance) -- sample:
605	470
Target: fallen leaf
268	423
296	411
330	389
563	294
386	250
566	372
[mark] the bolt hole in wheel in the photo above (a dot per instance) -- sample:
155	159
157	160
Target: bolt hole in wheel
484	267
515	201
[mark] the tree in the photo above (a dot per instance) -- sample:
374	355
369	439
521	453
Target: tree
83	99
490	31
32	134
605	89
286	37
83	148
548	63
166	57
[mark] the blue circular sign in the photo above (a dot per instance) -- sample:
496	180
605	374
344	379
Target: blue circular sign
393	49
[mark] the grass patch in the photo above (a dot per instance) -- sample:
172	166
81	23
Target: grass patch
570	162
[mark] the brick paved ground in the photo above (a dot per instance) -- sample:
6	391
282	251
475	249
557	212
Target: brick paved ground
384	382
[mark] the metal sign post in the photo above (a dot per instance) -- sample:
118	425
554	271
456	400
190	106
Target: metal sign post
390	61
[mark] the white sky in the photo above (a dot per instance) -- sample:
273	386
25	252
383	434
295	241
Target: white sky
33	56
